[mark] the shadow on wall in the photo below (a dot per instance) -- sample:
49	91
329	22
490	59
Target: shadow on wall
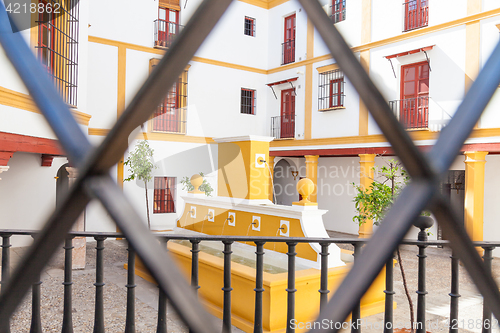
284	183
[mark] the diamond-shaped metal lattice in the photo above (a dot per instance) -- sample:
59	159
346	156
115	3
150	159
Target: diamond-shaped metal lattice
94	163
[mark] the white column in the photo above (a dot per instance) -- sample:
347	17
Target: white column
79	243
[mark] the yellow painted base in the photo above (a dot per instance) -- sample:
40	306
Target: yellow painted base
211	270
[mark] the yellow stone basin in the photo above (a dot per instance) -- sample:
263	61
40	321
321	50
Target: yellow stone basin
307	297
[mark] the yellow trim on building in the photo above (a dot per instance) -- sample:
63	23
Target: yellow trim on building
366	163
376	138
266	4
363	110
474	193
24	102
98	131
229	65
327	68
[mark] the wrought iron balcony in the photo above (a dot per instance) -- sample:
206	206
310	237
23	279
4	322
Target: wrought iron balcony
165	32
412	113
283	127
288	52
416	14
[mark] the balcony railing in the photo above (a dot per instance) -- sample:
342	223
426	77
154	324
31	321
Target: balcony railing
165	32
413	113
416	14
291	243
288	52
283	127
338	11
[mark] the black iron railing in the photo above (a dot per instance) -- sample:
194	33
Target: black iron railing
288	52
165	32
416	14
283	127
357	243
412	113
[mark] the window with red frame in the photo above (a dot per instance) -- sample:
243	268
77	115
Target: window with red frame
167	26
288	46
338	10
249	26
414	103
247	101
57	44
416	14
171	114
331	90
164	195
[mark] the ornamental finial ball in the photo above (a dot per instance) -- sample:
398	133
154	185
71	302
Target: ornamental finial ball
196	181
305	187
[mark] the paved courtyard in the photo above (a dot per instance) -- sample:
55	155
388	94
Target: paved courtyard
115	255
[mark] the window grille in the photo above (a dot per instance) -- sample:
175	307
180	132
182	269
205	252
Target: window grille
338	10
247	101
331	90
249	26
57	46
164	195
171	114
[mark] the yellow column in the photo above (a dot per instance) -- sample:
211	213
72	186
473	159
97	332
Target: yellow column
474	193
270	163
364	58
366	163
309	79
312	174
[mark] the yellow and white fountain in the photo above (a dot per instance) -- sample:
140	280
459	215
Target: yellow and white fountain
243	208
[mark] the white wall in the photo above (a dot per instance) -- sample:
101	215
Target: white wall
446	78
335	192
173	159
28	193
491	227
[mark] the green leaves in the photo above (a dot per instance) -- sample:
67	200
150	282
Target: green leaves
373	202
139	162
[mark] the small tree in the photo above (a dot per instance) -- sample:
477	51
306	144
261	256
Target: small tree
372	203
141	167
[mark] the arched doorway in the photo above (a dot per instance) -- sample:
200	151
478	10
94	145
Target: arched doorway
62	183
284	183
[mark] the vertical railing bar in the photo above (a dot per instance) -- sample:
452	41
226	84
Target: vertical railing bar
259	286
356	313
99	286
67	325
488	258
454	293
36	319
389	296
130	317
5	326
290	327
324	276
421	292
226	315
162	306
195	249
